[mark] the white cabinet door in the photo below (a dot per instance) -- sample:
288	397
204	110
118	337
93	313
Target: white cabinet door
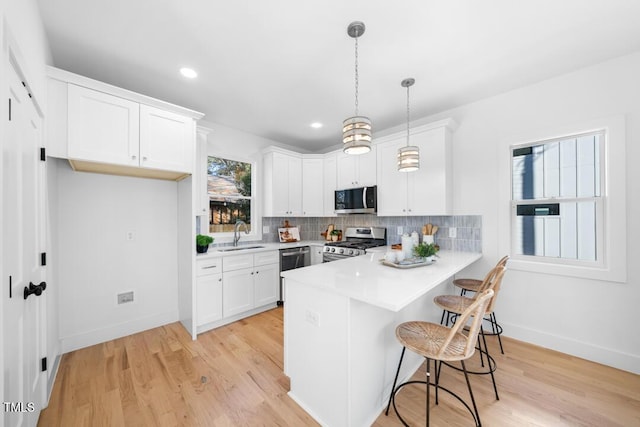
392	185
166	140
283	184
209	298
328	192
367	174
102	128
200	174
266	282
357	170
295	186
429	188
347	173
237	291
312	187
316	254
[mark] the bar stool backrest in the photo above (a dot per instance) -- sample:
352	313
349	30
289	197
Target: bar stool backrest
475	312
492	280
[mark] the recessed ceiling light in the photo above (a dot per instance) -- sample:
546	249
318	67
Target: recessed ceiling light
316	125
188	73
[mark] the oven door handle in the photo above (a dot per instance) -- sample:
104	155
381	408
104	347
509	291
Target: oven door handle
296	253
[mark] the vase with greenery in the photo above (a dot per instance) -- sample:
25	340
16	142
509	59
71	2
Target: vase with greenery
335	235
202	243
425	250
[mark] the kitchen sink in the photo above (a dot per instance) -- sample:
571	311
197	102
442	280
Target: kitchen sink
241	248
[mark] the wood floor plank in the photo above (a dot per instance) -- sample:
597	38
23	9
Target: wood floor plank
232	376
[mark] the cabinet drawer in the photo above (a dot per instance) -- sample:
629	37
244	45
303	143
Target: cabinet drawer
208	266
237	262
264	258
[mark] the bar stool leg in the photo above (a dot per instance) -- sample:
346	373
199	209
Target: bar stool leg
429	387
496	328
395	380
473	400
493	379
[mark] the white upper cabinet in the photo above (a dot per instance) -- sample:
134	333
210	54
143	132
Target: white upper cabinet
166	140
427	191
102	127
329	175
106	129
282	184
356	170
312	186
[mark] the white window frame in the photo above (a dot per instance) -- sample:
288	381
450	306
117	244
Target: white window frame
611	231
256	220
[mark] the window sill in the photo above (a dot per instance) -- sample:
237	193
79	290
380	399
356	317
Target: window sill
617	273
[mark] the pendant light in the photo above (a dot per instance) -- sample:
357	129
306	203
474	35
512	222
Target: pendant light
408	156
356	130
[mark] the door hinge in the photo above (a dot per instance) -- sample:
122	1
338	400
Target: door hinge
43	154
9	109
43	259
43	363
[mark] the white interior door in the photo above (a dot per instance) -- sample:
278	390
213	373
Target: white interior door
22	231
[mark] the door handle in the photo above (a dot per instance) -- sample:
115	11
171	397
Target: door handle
34	289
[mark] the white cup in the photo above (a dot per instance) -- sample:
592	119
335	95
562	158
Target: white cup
390	256
400	256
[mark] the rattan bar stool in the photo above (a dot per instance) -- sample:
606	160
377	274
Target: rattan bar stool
456	305
442	344
472	285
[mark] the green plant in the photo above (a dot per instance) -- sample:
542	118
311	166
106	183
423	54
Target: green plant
336	232
203	240
424	250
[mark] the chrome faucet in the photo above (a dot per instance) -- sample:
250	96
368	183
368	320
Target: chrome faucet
236	234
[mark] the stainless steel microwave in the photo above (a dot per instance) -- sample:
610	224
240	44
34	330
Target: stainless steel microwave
361	200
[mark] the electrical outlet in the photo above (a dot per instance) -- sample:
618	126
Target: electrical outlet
131	235
400	230
453	232
312	317
125	297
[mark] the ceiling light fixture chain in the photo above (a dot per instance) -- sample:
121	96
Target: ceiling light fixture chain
356	68
408	156
356	130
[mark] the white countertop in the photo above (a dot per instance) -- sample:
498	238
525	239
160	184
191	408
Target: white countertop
365	279
214	251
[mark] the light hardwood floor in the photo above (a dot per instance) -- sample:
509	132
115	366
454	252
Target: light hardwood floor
232	376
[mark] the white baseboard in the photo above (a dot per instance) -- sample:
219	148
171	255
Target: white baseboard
584	350
120	330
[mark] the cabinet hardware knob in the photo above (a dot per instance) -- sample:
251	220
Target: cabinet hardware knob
133	157
144	159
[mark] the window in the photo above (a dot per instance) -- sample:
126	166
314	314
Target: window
557	203
572	218
231	194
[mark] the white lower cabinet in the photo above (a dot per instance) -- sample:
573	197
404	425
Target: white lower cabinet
237	291
316	254
249	282
208	291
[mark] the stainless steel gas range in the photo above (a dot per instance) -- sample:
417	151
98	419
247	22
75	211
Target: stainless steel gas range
357	241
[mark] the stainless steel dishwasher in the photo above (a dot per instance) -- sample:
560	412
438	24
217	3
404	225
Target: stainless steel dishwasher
291	258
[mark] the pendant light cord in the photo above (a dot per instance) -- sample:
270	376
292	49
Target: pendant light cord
356	37
408	116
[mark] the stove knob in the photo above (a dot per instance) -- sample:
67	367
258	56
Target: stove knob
333	249
351	252
341	250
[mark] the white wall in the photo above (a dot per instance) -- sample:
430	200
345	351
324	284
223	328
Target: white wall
96	261
588	318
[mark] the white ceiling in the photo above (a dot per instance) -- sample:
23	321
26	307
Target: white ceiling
273	67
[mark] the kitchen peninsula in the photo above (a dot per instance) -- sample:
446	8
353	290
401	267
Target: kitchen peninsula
340	350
